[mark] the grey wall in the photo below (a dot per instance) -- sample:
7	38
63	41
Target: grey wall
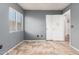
74	21
35	24
8	40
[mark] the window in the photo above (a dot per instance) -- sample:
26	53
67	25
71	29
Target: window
19	18
15	20
12	20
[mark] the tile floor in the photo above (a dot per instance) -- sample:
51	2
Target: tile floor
44	47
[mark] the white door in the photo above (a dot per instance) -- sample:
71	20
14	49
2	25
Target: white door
55	27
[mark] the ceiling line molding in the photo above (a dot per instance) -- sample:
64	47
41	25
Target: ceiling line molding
44	6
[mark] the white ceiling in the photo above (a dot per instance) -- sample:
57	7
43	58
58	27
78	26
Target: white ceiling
43	6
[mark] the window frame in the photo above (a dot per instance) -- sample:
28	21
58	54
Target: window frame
21	16
10	20
16	20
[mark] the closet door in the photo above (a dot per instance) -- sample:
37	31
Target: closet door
49	27
55	27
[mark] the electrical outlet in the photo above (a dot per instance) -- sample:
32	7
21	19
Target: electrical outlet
41	35
1	46
37	35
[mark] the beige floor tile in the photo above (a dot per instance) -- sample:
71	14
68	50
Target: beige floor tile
43	48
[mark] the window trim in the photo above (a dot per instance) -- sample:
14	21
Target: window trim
21	15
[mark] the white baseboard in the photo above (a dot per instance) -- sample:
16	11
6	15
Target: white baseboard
13	47
34	40
74	48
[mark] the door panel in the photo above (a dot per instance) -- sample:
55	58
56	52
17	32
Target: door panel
55	27
48	27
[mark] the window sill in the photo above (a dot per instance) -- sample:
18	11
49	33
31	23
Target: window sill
14	31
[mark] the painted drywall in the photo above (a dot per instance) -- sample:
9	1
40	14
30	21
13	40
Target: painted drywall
8	40
74	7
35	23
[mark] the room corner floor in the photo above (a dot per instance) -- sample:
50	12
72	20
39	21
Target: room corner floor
32	47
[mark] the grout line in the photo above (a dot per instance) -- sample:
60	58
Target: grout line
13	47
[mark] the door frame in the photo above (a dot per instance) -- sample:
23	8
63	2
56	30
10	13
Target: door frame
69	11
